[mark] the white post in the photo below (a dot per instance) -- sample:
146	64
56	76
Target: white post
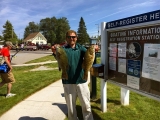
103	61
89	77
103	96
124	96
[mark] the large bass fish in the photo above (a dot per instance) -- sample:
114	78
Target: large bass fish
88	61
62	59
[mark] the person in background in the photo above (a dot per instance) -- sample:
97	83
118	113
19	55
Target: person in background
7	78
96	47
22	46
75	86
53	49
16	47
37	44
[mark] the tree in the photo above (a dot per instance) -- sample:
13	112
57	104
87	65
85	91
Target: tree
8	33
54	29
62	27
83	36
47	27
1	38
31	28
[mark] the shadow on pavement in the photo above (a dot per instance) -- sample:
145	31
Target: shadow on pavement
62	94
31	118
63	107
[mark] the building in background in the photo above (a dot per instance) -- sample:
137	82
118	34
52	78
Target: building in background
93	41
35	38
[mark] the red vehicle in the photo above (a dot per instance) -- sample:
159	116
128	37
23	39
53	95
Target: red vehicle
63	43
44	47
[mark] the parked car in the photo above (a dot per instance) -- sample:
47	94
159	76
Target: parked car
30	47
44	47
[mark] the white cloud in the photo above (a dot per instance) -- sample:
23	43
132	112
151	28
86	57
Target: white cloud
21	12
126	8
142	4
4	11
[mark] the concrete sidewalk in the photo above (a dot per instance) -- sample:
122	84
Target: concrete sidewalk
46	104
41	63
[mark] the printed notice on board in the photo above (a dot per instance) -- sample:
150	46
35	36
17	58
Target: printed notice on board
151	61
113	49
122	65
132	82
122	49
112	63
133	67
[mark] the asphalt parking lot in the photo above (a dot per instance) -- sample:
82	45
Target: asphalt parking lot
25	56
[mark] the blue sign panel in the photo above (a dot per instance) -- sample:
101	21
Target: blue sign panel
133	68
146	17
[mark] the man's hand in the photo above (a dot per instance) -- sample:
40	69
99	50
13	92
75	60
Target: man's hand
53	48
8	63
96	48
10	68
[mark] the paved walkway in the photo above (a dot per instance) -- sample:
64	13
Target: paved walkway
46	104
41	63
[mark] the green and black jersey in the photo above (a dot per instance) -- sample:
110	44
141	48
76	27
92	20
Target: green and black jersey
75	59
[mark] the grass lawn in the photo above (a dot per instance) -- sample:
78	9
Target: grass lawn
139	108
42	59
27	83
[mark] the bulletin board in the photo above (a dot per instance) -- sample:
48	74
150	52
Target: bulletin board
134	52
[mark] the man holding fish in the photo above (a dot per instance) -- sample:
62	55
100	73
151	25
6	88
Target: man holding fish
75	61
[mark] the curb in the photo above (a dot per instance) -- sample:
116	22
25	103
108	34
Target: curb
41	63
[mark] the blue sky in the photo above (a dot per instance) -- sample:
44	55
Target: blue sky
21	12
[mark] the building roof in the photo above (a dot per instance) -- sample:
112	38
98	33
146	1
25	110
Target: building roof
30	36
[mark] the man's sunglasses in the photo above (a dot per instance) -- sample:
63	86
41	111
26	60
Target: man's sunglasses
69	37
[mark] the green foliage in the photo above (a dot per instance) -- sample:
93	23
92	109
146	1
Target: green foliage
83	36
63	26
27	83
8	33
54	29
42	59
139	108
31	28
1	38
46	28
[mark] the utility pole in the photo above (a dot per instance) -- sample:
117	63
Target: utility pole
98	32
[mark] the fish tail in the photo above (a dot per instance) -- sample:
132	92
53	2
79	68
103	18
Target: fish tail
85	76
